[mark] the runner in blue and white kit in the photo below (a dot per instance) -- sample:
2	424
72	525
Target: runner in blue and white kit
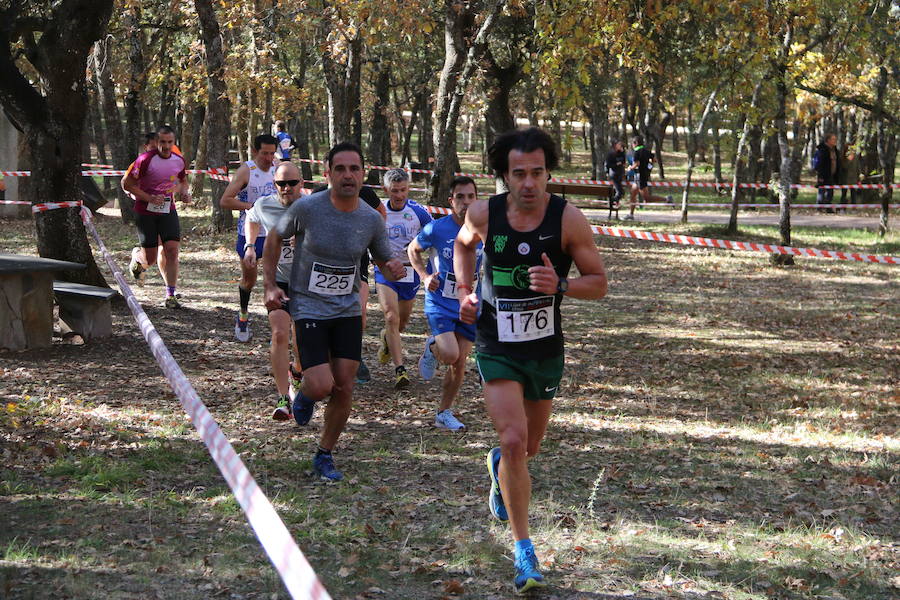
451	340
285	141
252	180
404	220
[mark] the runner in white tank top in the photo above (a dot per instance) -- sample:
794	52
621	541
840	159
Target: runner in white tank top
252	180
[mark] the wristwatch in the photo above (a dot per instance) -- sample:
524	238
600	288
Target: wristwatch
563	286
248	246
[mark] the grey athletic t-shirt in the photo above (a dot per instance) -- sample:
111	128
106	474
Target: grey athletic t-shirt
267	211
329	244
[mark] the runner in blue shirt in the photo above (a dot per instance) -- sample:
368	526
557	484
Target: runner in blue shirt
451	339
285	141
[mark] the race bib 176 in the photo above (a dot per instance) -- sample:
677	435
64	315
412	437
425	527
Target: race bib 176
526	319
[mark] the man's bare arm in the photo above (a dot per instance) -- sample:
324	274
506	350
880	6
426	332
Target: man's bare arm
274	296
239	181
130	185
417	259
578	242
472	232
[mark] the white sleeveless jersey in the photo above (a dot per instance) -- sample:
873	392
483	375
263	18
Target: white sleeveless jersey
261	183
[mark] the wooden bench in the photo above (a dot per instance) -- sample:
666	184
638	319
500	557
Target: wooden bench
84	309
602	193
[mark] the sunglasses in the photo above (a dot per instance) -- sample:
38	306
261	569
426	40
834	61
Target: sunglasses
287	183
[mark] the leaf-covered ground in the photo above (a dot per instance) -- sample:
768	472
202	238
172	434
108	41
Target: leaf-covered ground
725	429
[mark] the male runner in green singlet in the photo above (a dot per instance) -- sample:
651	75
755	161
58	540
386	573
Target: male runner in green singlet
530	240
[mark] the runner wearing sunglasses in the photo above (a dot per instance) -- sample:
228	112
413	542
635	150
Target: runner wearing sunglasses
266	212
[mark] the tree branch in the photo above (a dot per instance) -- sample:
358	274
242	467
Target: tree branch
861	103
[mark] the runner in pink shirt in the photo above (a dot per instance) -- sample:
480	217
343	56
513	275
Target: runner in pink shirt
156	181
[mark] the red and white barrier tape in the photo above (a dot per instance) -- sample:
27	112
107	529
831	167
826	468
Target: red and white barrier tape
298	576
727	244
97	166
52	205
747	246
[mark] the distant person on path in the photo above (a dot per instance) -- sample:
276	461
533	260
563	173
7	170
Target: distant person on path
451	340
155	181
332	230
615	169
285	141
252	180
266	212
405	219
641	166
530	240
827	164
850	174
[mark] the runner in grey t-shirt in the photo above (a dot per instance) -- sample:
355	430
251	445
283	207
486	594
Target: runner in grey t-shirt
266	212
330	242
332	229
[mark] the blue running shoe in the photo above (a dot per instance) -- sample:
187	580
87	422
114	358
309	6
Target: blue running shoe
303	409
362	373
527	575
495	499
323	466
428	363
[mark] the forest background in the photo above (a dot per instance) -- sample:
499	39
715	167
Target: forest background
747	89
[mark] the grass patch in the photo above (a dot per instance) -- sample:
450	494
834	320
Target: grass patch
20	550
96	473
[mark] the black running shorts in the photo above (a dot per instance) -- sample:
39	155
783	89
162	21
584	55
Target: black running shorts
152	228
320	340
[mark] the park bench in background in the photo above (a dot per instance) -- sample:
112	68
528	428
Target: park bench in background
602	194
84	309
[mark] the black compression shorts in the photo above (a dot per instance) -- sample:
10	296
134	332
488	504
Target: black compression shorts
152	228
320	340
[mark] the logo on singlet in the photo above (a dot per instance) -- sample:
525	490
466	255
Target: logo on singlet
516	277
524	249
499	243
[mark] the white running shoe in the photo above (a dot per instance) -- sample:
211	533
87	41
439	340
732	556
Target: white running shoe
428	362
446	420
242	329
138	269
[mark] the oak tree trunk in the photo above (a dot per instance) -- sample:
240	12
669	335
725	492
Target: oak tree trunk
218	110
52	120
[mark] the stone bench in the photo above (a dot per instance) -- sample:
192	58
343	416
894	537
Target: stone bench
84	309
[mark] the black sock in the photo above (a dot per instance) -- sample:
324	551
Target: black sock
245	298
322	451
400	369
